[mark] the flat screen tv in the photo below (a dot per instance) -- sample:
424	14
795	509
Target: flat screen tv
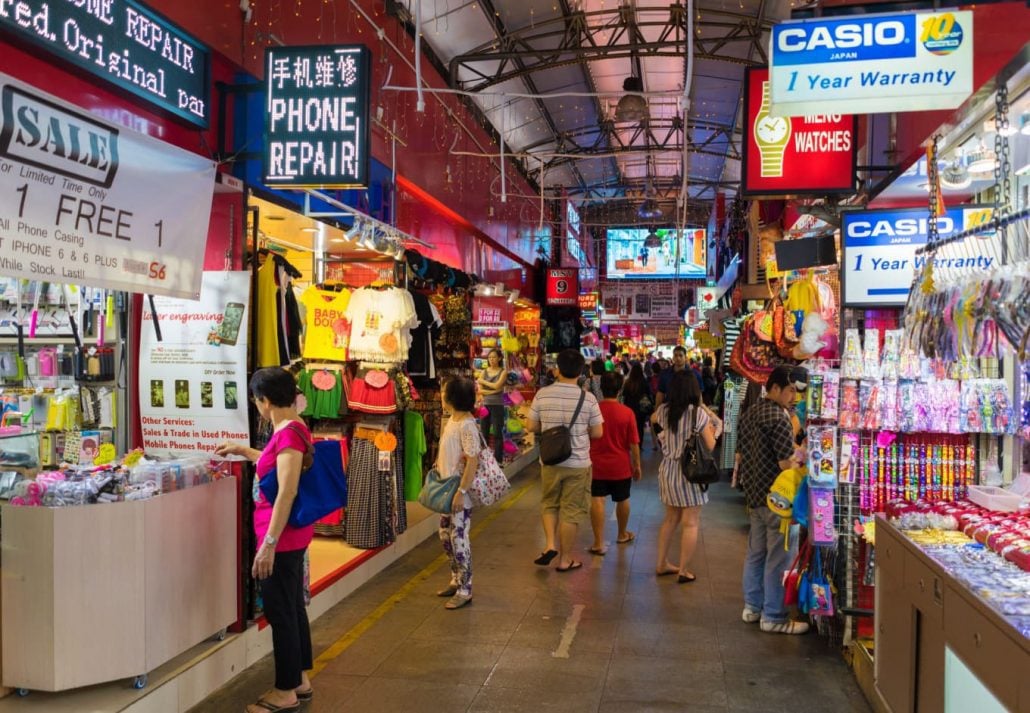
628	258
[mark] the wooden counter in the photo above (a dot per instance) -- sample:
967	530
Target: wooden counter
96	593
920	610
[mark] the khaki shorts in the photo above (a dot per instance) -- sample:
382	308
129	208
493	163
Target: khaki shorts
566	490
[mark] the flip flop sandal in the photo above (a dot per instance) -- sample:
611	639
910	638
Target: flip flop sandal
545	558
629	538
599	551
686	579
305	696
273	708
574	564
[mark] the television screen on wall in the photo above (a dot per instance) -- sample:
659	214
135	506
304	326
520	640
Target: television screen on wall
629	258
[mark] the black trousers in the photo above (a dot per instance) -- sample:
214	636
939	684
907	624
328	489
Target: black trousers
283	595
494	421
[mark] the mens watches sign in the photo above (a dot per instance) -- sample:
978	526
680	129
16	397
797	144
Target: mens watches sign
123	42
880	246
316	116
790	155
80	200
562	288
872	64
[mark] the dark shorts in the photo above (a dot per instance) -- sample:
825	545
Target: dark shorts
618	489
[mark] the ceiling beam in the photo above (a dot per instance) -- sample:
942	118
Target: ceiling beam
557	43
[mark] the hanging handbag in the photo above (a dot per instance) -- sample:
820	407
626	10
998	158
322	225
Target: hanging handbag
438	492
556	442
697	462
792	577
322	487
489	483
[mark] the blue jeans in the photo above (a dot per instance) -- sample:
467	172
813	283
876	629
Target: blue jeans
764	565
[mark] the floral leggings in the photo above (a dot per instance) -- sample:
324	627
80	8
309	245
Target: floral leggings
454	534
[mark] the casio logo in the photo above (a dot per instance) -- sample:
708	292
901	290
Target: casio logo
844	36
905	227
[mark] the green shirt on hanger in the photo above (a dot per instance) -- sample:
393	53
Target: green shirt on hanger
414	449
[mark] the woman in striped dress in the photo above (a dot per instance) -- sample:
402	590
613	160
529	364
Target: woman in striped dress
677	418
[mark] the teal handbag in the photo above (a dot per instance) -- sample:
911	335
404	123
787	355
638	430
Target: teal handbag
438	492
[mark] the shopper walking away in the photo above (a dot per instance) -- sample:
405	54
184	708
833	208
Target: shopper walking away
491	386
279	563
615	459
458	456
678	418
565	493
765	447
637	396
656	378
711	385
593	382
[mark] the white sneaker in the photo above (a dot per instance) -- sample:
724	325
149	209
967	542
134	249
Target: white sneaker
785	627
751	616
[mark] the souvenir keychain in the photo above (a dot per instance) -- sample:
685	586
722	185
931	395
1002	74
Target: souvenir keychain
871	355
831	395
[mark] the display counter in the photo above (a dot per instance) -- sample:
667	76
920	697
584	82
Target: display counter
932	627
96	593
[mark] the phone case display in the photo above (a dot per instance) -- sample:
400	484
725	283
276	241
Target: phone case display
822	456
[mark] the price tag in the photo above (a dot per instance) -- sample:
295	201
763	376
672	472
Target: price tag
384	461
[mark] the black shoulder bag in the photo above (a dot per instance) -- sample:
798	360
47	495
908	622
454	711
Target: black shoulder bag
697	462
556	442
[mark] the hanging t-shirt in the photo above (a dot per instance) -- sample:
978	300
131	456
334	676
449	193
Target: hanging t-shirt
268	325
327	329
380	324
414	450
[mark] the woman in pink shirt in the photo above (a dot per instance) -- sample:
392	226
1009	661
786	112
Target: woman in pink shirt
279	562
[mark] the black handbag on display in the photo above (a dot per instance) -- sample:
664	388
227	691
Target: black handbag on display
697	462
556	442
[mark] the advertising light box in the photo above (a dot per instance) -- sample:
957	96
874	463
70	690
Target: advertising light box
122	42
316	116
628	256
789	155
872	64
880	247
562	288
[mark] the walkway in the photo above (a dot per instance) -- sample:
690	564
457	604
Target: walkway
610	637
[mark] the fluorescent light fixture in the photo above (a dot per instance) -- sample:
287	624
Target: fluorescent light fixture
512	296
982	160
309	230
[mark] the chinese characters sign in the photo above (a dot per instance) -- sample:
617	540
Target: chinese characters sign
802	154
316	116
124	43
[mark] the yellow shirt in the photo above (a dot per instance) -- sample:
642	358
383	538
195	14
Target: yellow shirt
326	327
268	326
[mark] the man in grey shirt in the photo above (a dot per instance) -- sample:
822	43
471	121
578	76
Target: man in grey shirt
565	496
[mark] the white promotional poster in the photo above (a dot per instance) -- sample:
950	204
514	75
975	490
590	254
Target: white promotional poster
193	383
86	202
880	247
872	64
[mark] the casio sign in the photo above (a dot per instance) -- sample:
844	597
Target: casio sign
843	40
903	228
800	39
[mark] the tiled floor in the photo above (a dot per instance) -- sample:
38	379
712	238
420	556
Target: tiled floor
637	643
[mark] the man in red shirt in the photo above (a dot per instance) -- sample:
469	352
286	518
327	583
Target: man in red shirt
615	463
